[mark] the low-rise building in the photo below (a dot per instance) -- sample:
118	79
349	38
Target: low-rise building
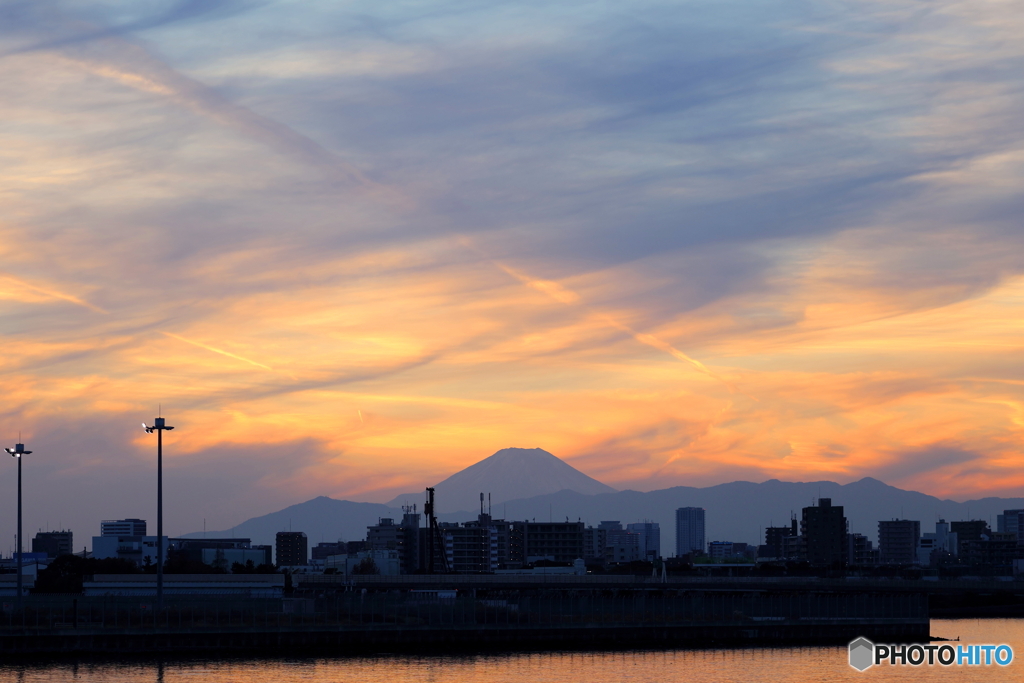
141	550
556	541
9	583
404	538
321	551
53	543
620	546
860	551
241	585
649	539
222	553
123	527
723	550
779	542
938	547
381	561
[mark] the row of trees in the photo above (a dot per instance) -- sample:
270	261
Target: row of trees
66	573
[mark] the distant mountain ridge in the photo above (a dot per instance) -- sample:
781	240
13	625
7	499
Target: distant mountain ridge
737	511
509	474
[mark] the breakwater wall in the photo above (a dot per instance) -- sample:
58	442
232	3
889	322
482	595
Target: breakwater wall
339	617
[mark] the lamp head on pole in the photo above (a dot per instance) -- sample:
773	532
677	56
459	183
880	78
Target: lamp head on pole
18	450
158	423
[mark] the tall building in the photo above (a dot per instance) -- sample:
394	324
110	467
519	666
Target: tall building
898	540
291	548
650	538
53	543
557	541
502	535
594	542
824	528
471	549
123	527
689	531
1012	522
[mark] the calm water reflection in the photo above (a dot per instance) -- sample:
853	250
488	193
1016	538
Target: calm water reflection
779	665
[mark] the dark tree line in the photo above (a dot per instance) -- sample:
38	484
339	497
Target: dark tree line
66	573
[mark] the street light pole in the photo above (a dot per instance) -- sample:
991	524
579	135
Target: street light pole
17	452
159	426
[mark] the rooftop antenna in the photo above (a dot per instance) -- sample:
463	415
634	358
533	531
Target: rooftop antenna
488	503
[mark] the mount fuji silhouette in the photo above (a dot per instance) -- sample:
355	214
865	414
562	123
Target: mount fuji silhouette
509	474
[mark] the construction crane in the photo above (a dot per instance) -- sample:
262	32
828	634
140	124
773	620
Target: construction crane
434	535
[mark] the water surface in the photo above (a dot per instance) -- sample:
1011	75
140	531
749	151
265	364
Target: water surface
778	665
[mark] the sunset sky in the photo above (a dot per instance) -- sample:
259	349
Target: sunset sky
354	247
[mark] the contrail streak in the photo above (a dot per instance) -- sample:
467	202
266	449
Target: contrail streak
564	295
108	54
216	350
654	342
152	76
55	295
549	287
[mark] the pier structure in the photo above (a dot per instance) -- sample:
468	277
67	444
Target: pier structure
458	613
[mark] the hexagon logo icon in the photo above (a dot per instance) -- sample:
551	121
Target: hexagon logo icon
862	654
